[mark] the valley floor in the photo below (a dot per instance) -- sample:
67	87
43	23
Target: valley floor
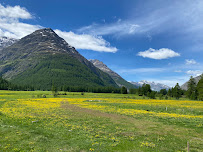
98	122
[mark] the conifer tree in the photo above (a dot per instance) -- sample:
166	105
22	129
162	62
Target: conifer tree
54	91
124	90
169	93
200	89
191	92
177	91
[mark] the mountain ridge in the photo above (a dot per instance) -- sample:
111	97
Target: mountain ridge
46	56
116	77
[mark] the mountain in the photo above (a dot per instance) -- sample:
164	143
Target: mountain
5	42
117	78
154	86
43	59
184	86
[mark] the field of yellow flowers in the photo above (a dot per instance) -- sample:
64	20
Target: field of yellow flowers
98	122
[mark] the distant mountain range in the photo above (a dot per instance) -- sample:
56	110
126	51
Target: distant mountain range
43	59
5	42
154	86
116	77
184	86
121	82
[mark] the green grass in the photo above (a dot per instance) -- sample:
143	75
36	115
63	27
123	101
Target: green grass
73	128
155	108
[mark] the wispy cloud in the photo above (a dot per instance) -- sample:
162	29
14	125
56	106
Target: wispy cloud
87	42
190	61
163	53
178	71
125	27
140	70
118	28
156	17
194	72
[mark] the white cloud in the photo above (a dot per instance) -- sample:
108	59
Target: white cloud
14	12
162	53
117	28
10	26
16	29
194	72
178	71
189	62
87	42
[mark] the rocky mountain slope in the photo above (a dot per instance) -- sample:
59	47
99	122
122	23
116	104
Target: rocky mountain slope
154	86
5	42
184	86
43	59
117	78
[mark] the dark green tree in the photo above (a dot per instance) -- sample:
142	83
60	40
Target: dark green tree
148	94
124	90
146	88
191	92
177	91
152	95
140	93
4	85
163	91
200	89
132	91
54	91
169	93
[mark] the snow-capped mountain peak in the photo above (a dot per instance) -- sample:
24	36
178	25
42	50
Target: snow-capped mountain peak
5	41
154	86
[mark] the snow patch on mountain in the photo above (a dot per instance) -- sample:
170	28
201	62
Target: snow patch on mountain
5	42
154	86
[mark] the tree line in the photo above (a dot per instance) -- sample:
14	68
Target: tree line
107	89
194	91
145	90
6	85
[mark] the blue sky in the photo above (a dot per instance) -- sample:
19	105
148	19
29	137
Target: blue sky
159	40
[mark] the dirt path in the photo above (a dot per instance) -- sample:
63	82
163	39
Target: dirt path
143	125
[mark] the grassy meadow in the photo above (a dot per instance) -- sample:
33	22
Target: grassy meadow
98	122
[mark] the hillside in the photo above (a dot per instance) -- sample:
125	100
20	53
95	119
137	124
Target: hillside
117	78
184	86
43	59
